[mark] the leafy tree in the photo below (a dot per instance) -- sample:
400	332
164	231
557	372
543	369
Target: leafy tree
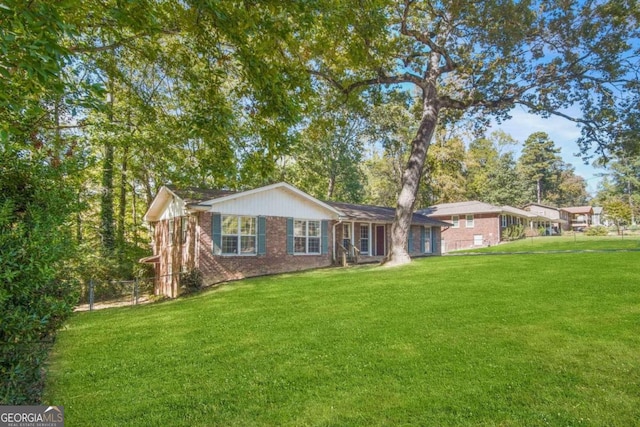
482	58
444	180
491	174
618	211
624	181
540	164
390	125
36	190
572	188
326	161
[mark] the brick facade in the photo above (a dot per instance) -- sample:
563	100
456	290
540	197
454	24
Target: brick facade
220	268
462	237
180	255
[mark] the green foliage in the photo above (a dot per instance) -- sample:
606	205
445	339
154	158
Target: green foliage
617	211
36	295
513	232
491	174
326	161
598	230
191	281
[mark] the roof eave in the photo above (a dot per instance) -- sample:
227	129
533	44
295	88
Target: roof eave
164	194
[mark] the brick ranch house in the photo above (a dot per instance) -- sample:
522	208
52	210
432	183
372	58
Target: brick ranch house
268	230
477	224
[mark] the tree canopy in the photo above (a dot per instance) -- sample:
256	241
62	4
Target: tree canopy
481	59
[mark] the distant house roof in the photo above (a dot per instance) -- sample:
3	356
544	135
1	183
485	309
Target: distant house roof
579	209
541	205
476	207
379	214
460	208
520	212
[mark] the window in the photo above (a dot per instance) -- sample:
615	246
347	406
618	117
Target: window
455	219
478	240
306	237
239	235
364	239
172	227
427	240
183	230
346	235
504	221
469	221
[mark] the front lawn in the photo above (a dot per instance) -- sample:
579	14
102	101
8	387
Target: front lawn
576	242
513	340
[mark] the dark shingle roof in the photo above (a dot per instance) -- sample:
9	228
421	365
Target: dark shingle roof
379	214
196	195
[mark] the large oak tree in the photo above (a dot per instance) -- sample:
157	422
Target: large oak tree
577	60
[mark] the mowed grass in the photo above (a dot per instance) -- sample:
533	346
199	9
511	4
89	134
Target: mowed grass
577	242
513	340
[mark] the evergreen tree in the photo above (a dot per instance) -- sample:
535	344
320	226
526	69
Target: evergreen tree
539	165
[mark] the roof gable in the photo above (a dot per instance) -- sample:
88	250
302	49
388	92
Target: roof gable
161	203
279	199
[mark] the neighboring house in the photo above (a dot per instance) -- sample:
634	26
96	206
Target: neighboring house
268	230
580	217
477	224
597	218
559	216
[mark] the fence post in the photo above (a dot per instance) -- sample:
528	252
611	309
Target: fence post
136	290
91	296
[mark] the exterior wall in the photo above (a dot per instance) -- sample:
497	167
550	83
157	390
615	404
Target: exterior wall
180	255
220	268
276	202
462	237
552	213
580	220
544	211
415	248
175	255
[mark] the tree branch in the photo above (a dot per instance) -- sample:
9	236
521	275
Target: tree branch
381	79
120	43
425	39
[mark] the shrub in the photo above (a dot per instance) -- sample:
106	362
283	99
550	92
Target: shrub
513	232
191	281
36	296
596	231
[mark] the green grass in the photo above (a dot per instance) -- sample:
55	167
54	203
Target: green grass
577	242
513	340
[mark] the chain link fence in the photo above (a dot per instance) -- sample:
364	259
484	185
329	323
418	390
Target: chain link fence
97	294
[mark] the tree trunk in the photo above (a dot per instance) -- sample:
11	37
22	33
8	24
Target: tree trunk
106	203
122	211
629	195
411	176
332	185
539	190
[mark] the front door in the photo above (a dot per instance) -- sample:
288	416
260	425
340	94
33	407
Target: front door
380	240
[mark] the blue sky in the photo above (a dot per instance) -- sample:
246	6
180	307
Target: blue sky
562	132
